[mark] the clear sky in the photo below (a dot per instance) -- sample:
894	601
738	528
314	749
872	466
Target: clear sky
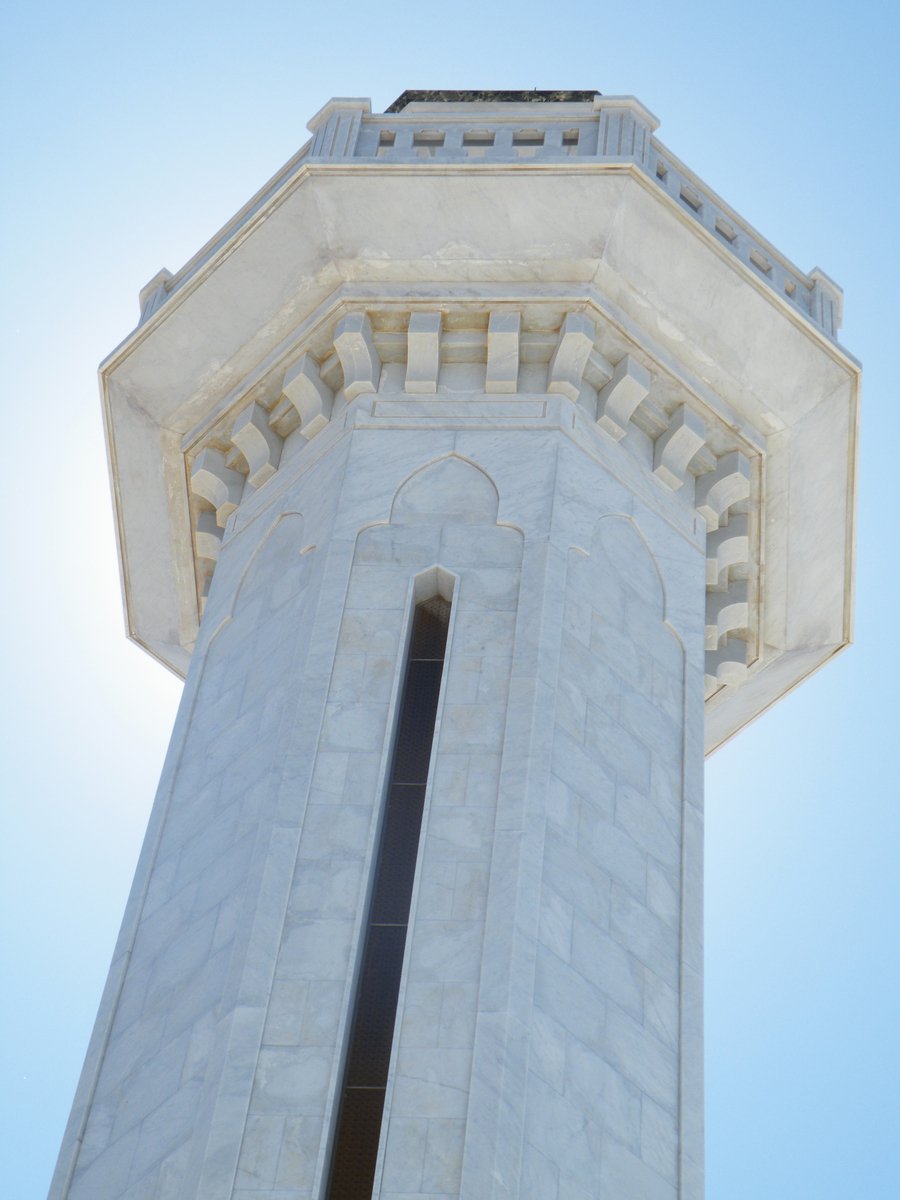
130	134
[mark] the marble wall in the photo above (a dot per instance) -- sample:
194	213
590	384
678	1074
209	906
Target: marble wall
548	1040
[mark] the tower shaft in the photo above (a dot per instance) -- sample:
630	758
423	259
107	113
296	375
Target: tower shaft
551	971
480	476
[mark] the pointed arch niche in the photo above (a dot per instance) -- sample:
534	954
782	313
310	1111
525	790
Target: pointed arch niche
442	542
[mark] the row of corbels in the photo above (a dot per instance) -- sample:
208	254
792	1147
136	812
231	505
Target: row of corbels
221	485
728	608
627	383
728	605
716	491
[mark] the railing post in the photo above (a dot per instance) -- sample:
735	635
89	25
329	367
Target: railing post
826	302
625	128
335	128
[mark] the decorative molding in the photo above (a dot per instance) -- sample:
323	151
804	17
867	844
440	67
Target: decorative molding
207	536
726	665
609	132
727	546
154	294
502	374
309	395
360	361
335	127
826	302
259	444
217	483
727	612
618	400
672	442
674	449
720	489
576	341
624	129
423	356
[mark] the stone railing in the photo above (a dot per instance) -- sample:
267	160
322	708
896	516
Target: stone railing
609	129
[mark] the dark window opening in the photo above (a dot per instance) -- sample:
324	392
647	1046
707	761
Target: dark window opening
375	1009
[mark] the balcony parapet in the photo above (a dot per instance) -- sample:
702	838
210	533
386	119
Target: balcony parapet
564	134
609	129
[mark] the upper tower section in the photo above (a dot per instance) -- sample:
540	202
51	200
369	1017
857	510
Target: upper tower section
468	245
506	127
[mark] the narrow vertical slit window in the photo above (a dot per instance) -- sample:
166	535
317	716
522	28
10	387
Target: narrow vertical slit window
375	1008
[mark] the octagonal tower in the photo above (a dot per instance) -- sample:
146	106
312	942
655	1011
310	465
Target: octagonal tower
480	475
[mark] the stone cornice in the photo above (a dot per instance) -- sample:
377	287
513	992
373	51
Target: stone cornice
610	132
480	368
629	327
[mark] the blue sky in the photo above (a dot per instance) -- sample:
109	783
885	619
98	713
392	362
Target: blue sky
129	136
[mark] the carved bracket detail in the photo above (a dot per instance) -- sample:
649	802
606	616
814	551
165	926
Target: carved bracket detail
673	443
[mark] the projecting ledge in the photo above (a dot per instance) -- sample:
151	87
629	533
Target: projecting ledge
727	712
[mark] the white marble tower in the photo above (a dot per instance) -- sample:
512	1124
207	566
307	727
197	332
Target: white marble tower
503	360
